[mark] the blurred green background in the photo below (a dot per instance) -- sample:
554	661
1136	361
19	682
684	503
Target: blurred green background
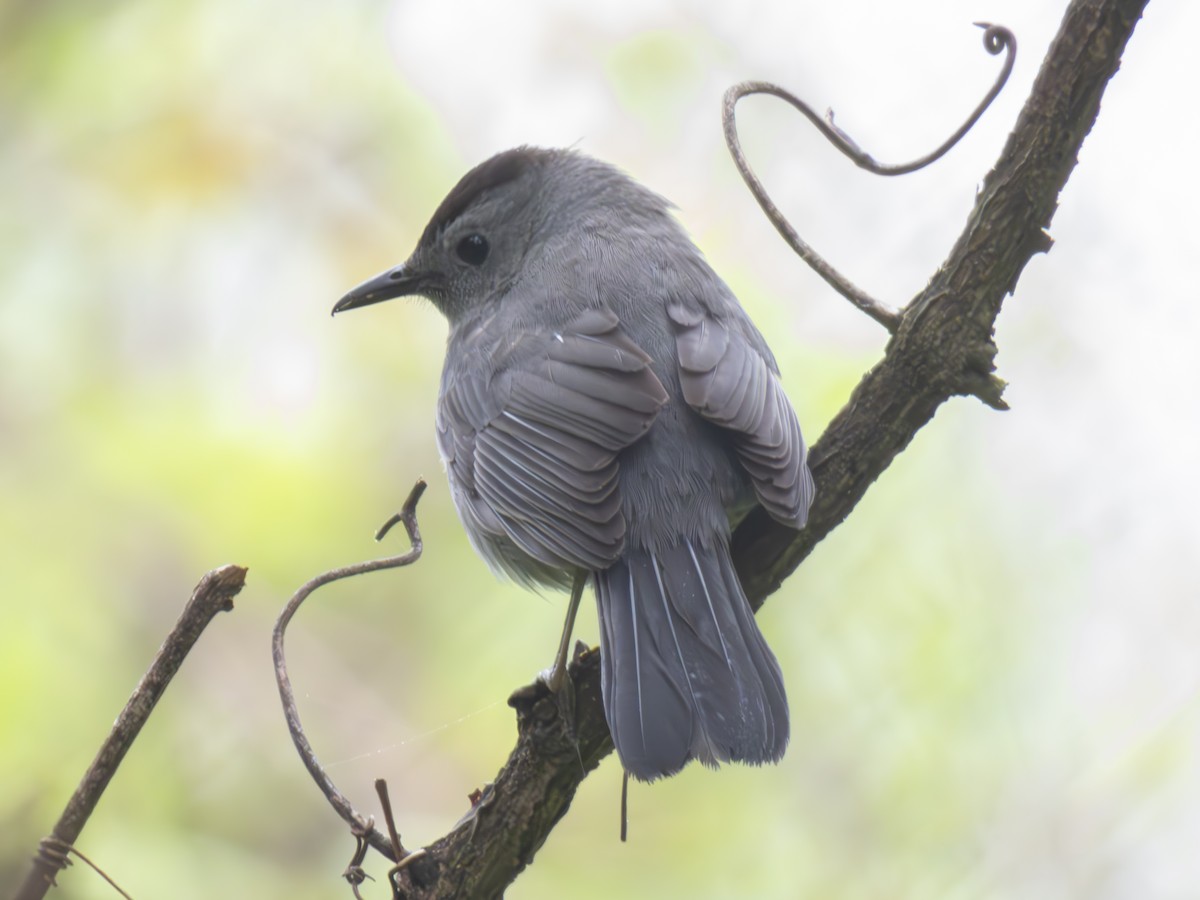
992	665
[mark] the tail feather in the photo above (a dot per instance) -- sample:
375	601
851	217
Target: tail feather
686	672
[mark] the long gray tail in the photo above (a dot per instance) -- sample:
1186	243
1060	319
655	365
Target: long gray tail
685	671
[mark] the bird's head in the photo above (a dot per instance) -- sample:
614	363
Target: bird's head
502	217
476	241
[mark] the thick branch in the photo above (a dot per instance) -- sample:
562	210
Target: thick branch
943	347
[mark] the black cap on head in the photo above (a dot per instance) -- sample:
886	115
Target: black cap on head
499	169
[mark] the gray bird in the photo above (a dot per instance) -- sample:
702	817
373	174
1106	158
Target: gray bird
607	413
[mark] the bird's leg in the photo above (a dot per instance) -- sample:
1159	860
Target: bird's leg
559	672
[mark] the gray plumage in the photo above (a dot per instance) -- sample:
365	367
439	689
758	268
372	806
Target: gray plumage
607	407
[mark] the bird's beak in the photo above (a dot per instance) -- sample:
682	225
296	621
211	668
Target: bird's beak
398	282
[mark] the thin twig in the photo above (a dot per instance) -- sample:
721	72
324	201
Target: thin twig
212	595
995	39
355	874
385	802
359	825
53	848
624	807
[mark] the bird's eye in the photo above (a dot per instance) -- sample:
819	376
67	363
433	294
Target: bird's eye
473	249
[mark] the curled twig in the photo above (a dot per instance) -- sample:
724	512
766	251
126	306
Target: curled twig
59	854
995	39
360	826
355	874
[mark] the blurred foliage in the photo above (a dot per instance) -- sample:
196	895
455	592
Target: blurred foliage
187	189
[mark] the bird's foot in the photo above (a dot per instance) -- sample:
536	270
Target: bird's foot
557	680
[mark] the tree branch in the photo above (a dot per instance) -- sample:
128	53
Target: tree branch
212	595
941	347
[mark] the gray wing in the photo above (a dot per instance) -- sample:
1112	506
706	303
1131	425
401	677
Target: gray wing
732	384
532	450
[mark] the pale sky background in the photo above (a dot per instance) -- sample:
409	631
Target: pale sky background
992	664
